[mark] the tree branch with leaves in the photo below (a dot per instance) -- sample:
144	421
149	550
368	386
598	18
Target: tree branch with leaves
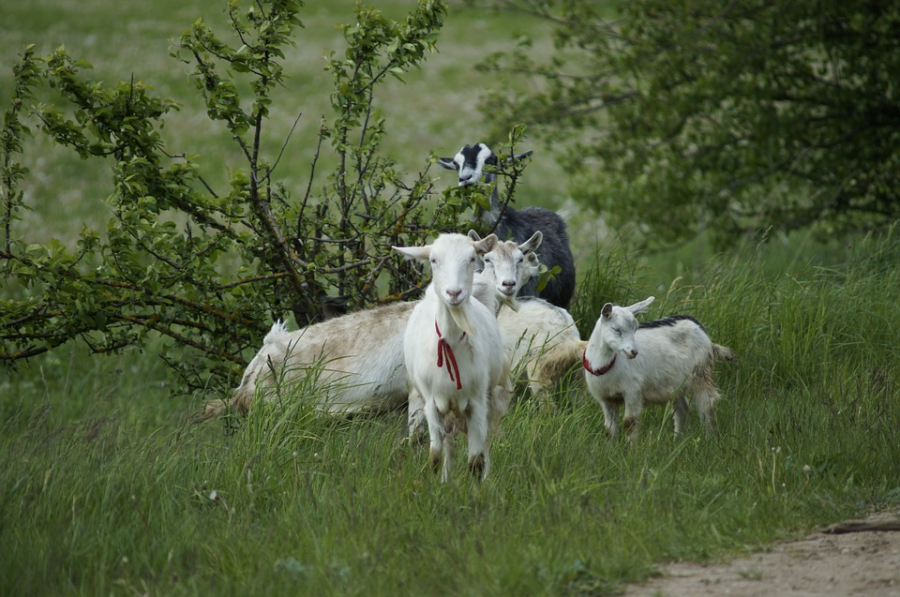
205	272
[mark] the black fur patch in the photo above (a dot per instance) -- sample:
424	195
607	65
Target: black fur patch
519	225
670	321
470	154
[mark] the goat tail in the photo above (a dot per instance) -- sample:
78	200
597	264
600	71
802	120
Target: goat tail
557	361
724	353
278	329
210	410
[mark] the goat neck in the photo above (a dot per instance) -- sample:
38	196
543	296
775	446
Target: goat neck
455	321
492	216
613	333
483	290
598	357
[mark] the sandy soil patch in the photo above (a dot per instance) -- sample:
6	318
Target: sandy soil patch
846	560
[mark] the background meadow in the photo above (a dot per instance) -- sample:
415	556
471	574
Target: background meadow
106	488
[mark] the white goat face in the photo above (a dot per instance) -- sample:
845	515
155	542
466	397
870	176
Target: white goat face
618	326
510	265
453	259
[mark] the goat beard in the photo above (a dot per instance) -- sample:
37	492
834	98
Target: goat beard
461	317
508	301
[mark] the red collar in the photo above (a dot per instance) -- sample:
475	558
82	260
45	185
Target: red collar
444	349
601	370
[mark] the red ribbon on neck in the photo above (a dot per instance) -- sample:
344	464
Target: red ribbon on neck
601	370
444	349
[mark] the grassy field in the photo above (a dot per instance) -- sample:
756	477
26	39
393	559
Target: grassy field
106	489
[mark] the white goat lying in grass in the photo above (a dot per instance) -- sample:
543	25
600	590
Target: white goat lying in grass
664	361
542	343
454	353
360	355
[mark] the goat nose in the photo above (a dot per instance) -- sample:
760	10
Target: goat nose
509	283
454	292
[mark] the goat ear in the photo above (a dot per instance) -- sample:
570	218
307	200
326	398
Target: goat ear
448	163
474	236
534	268
418	253
606	311
641	306
487	244
531	245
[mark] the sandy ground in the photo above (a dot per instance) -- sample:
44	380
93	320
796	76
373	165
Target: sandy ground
860	560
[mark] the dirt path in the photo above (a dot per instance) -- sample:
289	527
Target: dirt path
851	562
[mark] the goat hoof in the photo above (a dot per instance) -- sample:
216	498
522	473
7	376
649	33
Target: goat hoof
435	458
476	467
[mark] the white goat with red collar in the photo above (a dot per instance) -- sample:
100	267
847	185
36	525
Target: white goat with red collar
664	361
454	353
507	268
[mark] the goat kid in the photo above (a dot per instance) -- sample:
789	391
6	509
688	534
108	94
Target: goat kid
469	163
664	361
454	352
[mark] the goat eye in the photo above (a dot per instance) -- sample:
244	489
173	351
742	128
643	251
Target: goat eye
433	261
520	260
471	260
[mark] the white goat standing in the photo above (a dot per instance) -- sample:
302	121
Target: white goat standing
508	266
665	360
454	352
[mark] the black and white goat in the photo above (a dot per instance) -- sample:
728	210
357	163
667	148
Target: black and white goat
518	225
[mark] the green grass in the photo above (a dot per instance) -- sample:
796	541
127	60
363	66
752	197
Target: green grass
105	489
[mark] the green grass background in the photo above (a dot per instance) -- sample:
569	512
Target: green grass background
105	489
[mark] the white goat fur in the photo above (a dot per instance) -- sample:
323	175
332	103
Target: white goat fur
361	354
477	391
665	360
542	343
510	267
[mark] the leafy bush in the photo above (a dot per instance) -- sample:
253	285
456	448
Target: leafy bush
209	270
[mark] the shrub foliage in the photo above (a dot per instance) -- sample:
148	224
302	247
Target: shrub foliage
208	270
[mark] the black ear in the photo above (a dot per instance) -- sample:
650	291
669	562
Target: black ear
492	160
448	163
